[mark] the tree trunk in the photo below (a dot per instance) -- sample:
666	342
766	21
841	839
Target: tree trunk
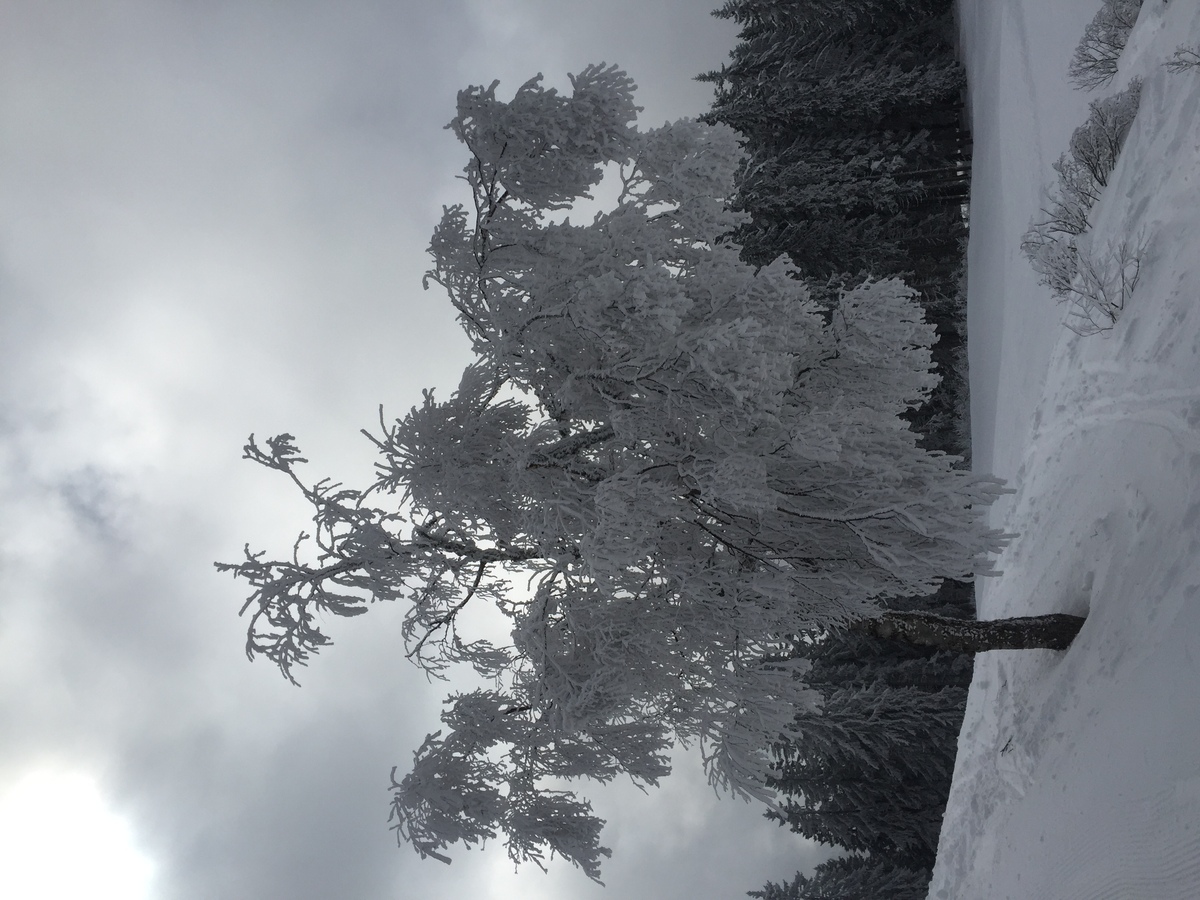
1050	632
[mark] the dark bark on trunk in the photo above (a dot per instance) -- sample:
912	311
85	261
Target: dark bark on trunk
1050	632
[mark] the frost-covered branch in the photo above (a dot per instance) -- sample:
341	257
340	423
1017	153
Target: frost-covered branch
1095	281
662	465
1094	64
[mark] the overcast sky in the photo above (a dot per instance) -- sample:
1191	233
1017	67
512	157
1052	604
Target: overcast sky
213	218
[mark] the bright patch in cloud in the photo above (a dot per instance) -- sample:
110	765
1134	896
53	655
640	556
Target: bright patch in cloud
59	841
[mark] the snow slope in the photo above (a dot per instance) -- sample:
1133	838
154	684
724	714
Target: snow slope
1078	774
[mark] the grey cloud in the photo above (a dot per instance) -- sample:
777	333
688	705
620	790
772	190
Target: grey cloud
94	501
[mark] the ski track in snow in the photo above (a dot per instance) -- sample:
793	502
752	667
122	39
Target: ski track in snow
1078	773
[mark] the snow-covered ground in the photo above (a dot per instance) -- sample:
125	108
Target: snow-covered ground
1078	774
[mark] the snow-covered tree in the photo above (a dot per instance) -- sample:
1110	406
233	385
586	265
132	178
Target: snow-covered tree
852	878
865	776
1096	282
850	113
845	205
661	465
1095	61
871	770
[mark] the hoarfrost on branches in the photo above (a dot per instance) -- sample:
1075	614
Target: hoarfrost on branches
1095	281
1095	61
1183	59
686	460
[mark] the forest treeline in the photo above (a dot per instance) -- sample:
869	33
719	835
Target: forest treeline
858	164
851	113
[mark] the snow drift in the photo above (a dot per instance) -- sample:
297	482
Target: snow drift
1078	774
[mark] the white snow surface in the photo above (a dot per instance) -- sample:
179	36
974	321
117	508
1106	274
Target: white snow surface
1078	773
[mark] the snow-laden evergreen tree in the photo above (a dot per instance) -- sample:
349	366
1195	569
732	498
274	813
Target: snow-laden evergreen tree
851	878
661	465
847	205
825	22
850	115
875	87
871	770
862	800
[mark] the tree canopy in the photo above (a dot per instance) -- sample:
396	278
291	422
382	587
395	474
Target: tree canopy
662	465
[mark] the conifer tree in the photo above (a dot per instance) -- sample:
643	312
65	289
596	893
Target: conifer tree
851	878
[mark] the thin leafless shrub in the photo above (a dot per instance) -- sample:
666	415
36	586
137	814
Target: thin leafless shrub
1184	58
1095	61
1103	283
1096	283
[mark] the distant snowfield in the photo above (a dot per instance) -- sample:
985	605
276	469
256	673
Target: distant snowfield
1078	773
